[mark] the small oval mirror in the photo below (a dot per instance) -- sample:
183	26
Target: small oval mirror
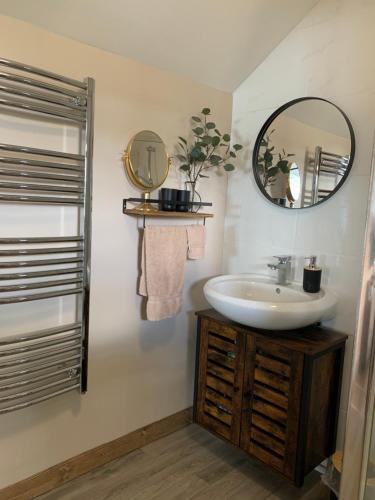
146	161
303	153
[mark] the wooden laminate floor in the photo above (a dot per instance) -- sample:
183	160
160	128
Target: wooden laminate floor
190	464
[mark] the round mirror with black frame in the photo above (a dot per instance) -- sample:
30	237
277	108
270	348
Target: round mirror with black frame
303	153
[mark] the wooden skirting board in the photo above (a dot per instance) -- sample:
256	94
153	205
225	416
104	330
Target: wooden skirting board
61	473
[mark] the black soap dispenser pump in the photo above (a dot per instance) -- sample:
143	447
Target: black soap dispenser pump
312	275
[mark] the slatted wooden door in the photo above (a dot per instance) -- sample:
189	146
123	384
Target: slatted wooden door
220	379
271	404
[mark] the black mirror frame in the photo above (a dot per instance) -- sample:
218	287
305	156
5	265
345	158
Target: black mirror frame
265	127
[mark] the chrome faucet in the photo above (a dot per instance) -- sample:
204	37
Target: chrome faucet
283	268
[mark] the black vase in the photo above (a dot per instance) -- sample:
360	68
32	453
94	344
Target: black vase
183	199
168	199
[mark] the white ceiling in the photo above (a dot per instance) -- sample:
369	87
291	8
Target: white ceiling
215	42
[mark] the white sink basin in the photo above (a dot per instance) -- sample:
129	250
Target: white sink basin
255	300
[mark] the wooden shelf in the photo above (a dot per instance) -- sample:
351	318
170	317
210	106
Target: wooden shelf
161	213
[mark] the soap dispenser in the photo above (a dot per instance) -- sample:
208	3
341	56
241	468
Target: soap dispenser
312	275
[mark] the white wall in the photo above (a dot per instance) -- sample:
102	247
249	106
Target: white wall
329	54
139	371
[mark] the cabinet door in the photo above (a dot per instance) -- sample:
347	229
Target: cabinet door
271	404
220	379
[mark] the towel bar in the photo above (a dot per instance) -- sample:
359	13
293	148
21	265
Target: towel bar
24	383
40	163
41	367
40	152
16	339
39	400
38	365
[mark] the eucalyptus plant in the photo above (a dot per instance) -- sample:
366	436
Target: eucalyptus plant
265	164
208	150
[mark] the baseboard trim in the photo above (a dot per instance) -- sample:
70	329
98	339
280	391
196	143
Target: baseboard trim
55	476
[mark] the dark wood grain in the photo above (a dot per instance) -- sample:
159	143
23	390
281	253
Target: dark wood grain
321	409
219	414
224	331
293	413
218	385
267	425
220	358
312	340
272	365
220	374
266	456
273	349
269	410
218	399
202	372
247	399
268	441
274	394
221	344
271	380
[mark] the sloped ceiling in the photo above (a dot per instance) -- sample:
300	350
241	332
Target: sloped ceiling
215	42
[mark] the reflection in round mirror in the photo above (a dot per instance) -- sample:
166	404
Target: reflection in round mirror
146	161
303	153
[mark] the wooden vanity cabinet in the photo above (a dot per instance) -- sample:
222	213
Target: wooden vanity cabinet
273	394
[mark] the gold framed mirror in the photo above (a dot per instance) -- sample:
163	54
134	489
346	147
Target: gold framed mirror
147	164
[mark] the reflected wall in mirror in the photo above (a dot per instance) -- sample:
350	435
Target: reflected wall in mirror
303	153
147	164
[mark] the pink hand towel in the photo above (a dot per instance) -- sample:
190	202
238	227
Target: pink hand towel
163	267
196	237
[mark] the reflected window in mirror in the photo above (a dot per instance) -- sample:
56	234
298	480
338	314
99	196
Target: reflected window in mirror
303	153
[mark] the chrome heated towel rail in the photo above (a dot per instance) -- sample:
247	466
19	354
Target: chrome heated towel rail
38	365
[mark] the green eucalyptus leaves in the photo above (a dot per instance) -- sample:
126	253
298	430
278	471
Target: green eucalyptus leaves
209	149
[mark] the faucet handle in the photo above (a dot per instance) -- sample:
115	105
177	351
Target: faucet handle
283	259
